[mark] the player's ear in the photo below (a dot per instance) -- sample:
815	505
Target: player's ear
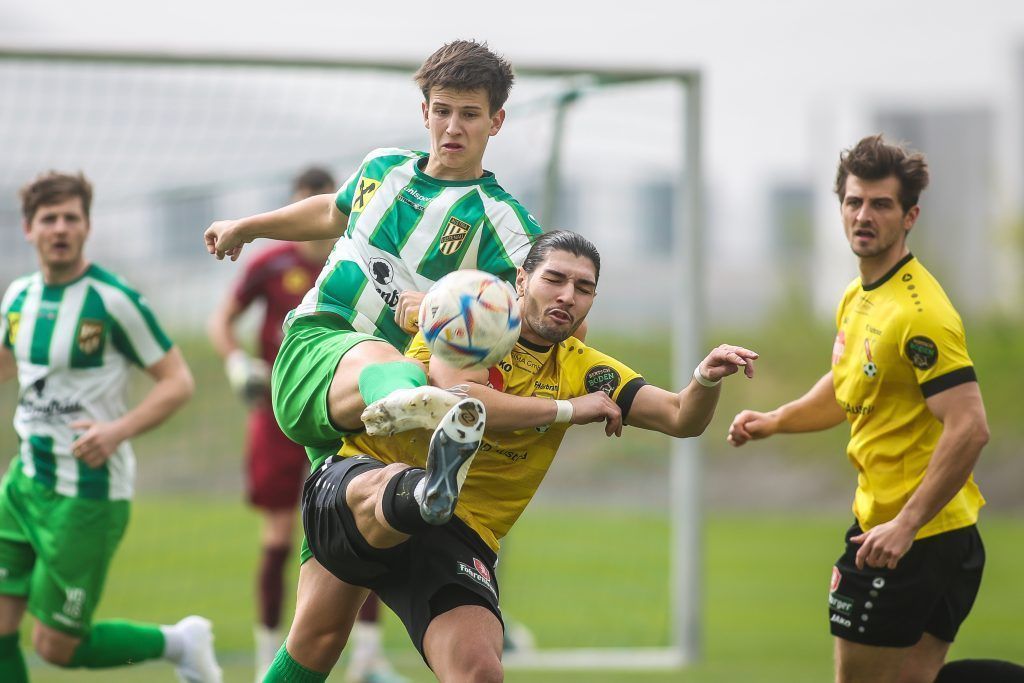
497	118
521	276
426	118
910	217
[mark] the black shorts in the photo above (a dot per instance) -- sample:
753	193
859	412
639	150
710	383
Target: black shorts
931	591
436	570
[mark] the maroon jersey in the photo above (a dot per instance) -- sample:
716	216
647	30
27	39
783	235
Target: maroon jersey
280	276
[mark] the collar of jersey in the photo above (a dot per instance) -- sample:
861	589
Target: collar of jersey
539	348
487	177
69	282
892	271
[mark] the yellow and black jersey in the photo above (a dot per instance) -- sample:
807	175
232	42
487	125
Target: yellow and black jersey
899	341
509	467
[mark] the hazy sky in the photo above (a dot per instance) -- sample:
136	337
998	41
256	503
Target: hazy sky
771	68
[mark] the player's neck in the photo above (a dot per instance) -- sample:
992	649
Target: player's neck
61	275
874	268
435	169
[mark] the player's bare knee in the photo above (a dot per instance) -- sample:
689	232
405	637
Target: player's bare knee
485	667
53	647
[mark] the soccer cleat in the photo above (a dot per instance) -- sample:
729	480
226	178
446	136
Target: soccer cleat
198	662
405	409
452	447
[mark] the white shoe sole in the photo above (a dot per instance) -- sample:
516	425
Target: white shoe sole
452	449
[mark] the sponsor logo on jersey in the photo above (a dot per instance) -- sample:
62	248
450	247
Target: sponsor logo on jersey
454	235
922	352
601	378
13	321
840	603
862	409
381	270
836	578
295	280
90	334
838	347
482	568
365	190
477	576
525	361
514	456
409	194
408	202
870	369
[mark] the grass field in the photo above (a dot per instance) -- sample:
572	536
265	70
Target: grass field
577	577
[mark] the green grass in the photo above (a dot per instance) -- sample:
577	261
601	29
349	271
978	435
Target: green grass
575	577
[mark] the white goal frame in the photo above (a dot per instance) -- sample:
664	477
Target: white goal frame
688	314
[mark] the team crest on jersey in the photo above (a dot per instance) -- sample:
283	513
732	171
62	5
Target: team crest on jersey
922	352
90	334
870	369
295	280
13	320
364	193
454	235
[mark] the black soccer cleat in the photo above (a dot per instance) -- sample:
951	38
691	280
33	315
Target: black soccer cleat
452	447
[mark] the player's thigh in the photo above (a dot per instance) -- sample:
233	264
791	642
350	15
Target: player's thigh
74	557
344	399
303	376
857	663
325	609
924	660
464	644
55	647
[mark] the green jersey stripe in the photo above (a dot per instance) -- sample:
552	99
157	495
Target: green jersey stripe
46	320
348	278
404	216
93	483
90	335
492	257
388	330
43	460
142	309
459	229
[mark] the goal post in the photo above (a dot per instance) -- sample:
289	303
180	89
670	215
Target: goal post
556	91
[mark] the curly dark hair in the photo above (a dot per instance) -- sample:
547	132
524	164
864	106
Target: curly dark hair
874	159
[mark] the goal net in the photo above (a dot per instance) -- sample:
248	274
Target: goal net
172	142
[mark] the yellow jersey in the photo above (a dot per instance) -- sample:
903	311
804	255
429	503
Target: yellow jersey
899	341
510	466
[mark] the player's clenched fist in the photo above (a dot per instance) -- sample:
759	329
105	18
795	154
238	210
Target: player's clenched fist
597	407
750	424
223	238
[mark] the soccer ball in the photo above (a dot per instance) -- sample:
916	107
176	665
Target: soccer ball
470	319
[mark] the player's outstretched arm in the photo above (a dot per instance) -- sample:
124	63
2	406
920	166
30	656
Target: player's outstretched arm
814	411
507	412
689	412
174	385
314	218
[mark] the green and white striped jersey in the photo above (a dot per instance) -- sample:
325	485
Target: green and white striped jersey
405	231
73	344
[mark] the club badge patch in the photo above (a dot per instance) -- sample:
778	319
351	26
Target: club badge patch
922	352
870	369
454	235
601	378
364	193
90	334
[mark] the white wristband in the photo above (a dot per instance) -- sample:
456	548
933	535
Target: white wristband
563	411
704	381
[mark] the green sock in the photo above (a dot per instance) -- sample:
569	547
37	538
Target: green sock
12	663
377	380
118	643
287	670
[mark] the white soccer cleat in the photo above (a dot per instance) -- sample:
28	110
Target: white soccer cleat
198	662
452	449
405	409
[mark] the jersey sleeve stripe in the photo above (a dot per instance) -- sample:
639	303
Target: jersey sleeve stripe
627	394
948	381
137	325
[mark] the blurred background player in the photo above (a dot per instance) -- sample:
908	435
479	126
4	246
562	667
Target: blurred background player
276	466
70	332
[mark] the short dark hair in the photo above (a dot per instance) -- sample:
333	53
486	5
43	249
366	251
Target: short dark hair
874	159
53	187
562	240
314	180
467	65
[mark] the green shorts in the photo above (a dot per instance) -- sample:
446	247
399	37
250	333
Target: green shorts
55	550
302	375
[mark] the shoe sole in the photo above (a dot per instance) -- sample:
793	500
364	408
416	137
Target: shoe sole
452	447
